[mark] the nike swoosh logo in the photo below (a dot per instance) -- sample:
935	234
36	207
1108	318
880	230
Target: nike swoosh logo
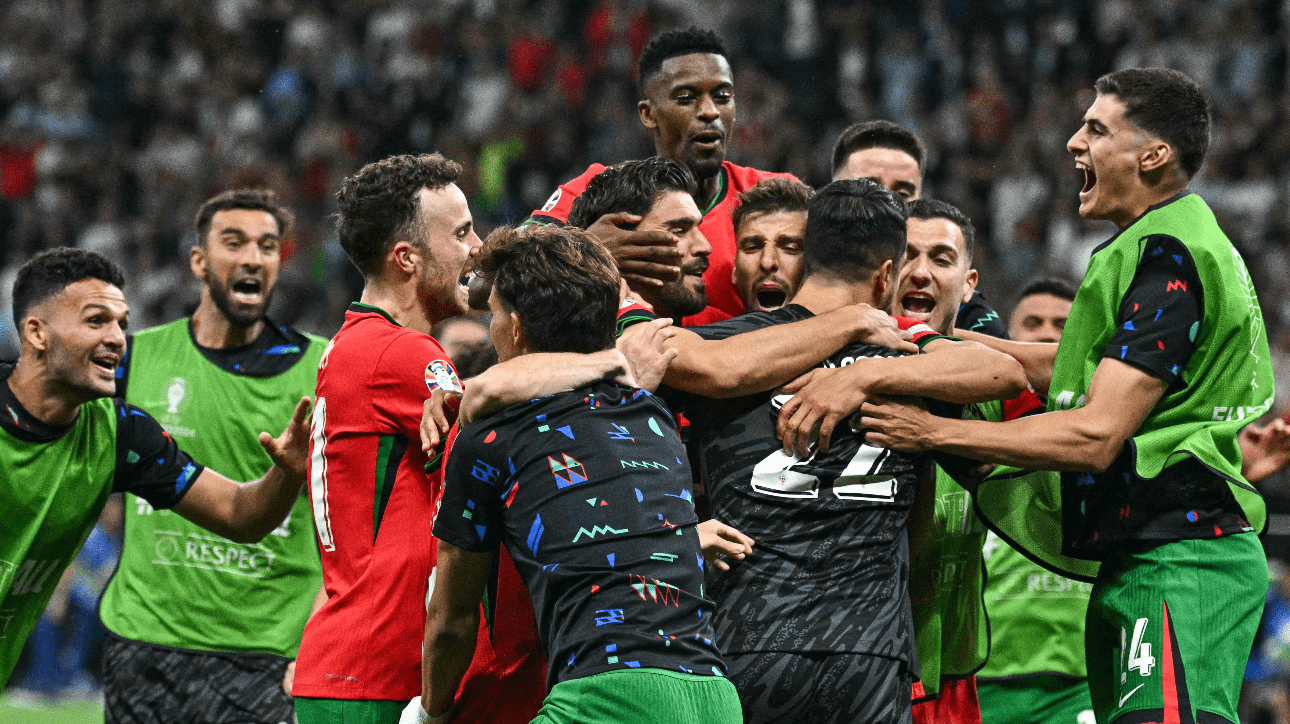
1126	696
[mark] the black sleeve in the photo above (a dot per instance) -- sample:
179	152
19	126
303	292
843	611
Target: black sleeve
746	322
148	462
123	369
1162	312
978	316
474	482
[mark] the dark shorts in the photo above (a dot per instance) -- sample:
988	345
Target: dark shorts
147	684
826	688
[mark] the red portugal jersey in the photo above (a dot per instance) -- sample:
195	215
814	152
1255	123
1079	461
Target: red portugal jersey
717	226
373	504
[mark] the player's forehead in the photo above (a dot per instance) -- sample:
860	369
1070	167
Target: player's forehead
702	71
884	165
253	223
1107	110
1043	305
443	209
927	236
671	206
88	294
772	225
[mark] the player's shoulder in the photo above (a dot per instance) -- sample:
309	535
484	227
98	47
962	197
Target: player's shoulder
161	330
578	184
752	321
745	177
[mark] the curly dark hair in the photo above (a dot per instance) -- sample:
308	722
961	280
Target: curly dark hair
378	204
876	134
561	282
672	44
50	272
770	196
631	187
931	209
1168	105
253	199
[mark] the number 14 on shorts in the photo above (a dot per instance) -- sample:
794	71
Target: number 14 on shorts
1138	652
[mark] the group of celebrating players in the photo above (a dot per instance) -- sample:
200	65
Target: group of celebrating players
739	461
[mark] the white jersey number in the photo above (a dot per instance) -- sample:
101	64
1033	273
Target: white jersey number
318	475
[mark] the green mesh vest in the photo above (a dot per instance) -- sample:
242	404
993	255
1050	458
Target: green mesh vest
178	584
51	495
1227	383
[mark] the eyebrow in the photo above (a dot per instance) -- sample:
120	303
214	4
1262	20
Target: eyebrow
723	85
907	186
1096	124
682	221
238	232
96	307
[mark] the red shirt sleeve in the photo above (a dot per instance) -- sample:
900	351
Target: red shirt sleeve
411	368
922	333
1027	403
556	208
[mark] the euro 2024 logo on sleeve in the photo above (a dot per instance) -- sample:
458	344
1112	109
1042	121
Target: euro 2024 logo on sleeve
440	375
553	200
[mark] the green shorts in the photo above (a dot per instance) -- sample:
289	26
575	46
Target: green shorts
637	696
1041	699
347	711
1170	629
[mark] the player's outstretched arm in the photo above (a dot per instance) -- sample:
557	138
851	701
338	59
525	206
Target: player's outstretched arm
959	372
247	512
760	360
1035	357
452	626
1087	438
638	361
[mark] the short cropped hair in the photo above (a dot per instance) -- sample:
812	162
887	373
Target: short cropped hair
561	282
932	209
378	204
772	196
877	134
1053	286
50	272
632	187
675	43
852	227
252	199
1168	105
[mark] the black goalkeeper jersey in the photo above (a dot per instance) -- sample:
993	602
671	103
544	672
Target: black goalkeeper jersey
830	568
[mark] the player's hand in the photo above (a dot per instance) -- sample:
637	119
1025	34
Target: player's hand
647	258
437	416
290	450
642	347
1265	449
897	424
824	397
874	326
719	541
289	677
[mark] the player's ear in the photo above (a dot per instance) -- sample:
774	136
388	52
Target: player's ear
518	341
35	332
197	260
884	280
1155	156
406	257
969	286
646	111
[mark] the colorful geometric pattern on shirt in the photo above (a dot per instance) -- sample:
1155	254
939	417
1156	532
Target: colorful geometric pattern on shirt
976	315
830	570
1162	311
592	502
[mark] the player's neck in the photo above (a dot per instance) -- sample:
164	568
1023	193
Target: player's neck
41	396
399	302
708	190
1147	196
821	295
212	330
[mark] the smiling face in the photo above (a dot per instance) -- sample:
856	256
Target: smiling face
81	336
446	238
936	277
675	213
238	263
690	108
1108	149
890	168
768	260
1039	318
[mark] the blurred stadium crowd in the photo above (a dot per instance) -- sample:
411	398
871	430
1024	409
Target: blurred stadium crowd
118	117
